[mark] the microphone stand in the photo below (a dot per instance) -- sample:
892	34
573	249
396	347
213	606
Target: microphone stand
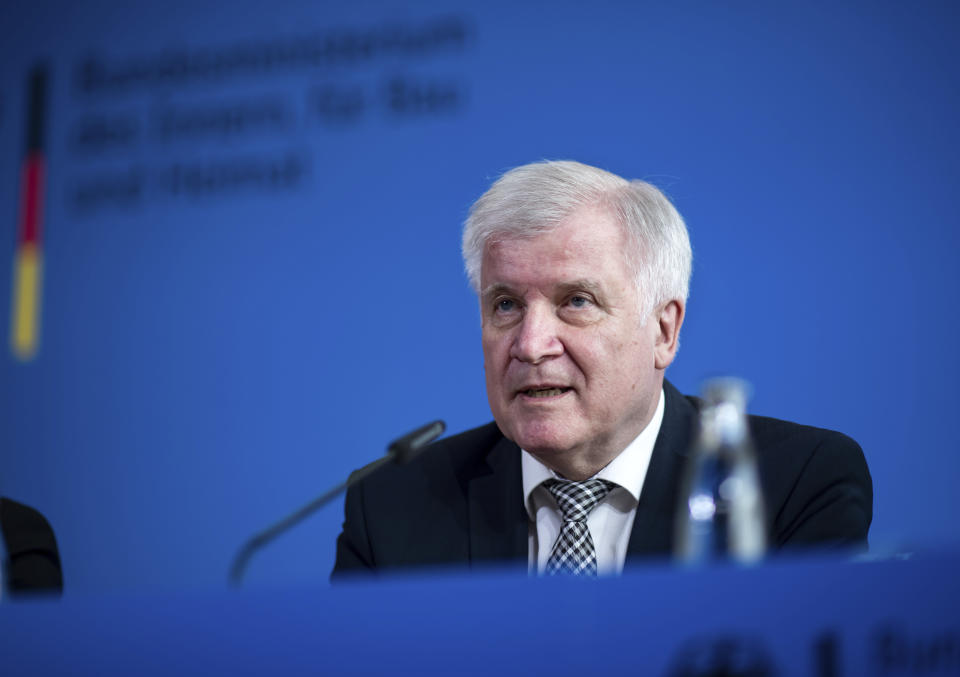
399	451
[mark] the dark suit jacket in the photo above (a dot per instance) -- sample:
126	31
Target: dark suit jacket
33	561
461	501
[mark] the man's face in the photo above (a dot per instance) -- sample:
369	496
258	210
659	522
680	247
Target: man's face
572	370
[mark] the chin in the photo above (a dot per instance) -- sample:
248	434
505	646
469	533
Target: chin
538	438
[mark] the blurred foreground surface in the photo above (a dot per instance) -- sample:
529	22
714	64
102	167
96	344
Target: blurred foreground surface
815	616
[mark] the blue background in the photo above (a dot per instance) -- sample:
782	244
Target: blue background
211	360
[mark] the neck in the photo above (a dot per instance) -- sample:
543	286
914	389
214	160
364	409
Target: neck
583	462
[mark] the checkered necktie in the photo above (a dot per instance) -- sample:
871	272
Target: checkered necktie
573	553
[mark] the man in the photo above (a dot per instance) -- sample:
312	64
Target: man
582	279
28	548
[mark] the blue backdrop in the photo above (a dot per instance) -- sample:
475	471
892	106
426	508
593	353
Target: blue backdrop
252	278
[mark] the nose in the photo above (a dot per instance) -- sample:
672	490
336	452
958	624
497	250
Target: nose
536	337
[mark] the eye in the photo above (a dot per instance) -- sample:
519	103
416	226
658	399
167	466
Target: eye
579	301
505	305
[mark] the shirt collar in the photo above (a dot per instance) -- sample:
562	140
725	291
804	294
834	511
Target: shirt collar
628	469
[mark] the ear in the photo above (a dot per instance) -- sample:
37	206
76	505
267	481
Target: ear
669	319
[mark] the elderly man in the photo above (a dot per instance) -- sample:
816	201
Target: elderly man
582	278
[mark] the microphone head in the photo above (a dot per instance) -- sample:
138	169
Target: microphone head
411	444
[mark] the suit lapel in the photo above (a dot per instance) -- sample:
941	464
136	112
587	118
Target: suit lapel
498	520
652	532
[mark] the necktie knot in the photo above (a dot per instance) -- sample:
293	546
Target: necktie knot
577	499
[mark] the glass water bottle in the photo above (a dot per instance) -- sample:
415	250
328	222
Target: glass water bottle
721	513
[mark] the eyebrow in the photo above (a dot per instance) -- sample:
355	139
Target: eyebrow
495	290
584	284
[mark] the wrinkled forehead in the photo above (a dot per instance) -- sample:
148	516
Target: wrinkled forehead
526	224
582	228
589	244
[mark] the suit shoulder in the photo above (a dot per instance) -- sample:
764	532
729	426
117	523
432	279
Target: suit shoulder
816	483
446	458
773	435
32	552
787	450
21	522
792	456
415	513
767	431
465	446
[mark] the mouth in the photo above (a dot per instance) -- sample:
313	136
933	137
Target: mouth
544	392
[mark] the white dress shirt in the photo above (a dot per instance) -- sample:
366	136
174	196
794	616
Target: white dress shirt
611	521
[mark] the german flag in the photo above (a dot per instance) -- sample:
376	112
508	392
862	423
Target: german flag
28	256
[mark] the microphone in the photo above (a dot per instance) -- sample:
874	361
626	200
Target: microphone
401	450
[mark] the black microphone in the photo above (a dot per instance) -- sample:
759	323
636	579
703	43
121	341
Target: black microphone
401	450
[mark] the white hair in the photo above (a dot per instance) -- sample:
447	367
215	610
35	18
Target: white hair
533	199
